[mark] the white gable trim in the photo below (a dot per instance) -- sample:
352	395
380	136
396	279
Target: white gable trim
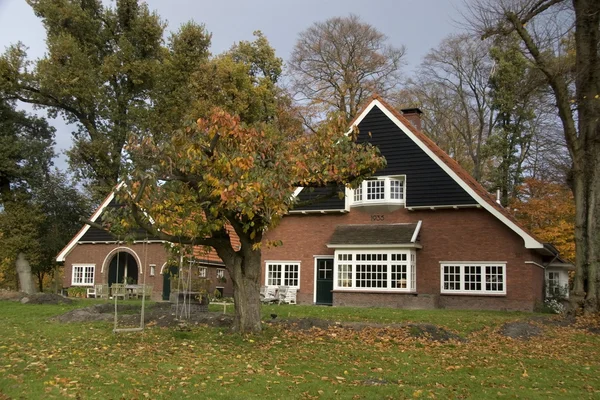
530	242
416	232
64	252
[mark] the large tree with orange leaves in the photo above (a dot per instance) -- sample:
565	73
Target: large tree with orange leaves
547	209
218	172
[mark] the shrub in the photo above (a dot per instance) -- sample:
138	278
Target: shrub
77	291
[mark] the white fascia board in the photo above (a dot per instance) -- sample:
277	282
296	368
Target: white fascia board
416	232
536	264
297	191
67	249
448	206
567	266
530	242
375	246
317	211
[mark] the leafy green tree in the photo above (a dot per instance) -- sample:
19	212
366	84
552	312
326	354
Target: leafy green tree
20	223
25	157
515	87
102	67
39	209
62	207
26	151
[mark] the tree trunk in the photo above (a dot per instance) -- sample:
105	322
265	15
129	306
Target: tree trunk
25	276
245	277
40	279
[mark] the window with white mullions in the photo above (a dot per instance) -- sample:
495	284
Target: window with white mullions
554	287
451	277
82	275
396	189
375	270
482	278
375	190
494	278
283	274
472	278
380	190
358	194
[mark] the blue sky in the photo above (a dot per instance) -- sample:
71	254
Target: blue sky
418	25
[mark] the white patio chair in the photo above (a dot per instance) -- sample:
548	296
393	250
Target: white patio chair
281	293
290	296
270	294
91	293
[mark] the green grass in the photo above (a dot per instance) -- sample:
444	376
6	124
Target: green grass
44	359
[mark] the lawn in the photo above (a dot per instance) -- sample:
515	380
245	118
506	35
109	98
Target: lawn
44	359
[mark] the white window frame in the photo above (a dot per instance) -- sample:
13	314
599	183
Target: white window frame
360	194
283	277
463	265
203	272
345	269
85	272
152	269
220	273
562	282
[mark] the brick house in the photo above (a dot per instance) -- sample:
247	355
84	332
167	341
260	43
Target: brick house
93	256
421	233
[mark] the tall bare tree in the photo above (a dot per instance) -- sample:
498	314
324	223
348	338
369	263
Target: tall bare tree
338	63
453	81
544	26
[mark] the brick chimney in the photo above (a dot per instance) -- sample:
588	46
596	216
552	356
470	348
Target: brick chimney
413	115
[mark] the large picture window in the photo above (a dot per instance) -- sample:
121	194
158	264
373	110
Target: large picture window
283	274
375	270
473	278
83	275
380	190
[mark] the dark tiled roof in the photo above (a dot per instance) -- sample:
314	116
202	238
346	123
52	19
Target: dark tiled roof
373	234
332	203
449	161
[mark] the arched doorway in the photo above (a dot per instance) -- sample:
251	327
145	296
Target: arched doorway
126	272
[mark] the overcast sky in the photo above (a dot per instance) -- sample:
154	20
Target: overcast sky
419	25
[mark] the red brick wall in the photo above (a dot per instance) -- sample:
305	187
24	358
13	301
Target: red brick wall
155	253
446	235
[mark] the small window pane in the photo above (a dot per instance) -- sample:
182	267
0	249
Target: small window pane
345	275
494	278
396	189
358	193
376	190
451	277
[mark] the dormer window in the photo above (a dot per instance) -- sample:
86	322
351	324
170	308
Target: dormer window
381	190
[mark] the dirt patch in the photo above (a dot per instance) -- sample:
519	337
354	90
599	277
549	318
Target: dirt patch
36	298
520	330
425	331
45	298
432	332
11	295
159	314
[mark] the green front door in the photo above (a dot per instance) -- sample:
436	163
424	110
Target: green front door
324	281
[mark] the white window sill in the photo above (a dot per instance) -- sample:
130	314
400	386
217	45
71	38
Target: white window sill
375	291
479	294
